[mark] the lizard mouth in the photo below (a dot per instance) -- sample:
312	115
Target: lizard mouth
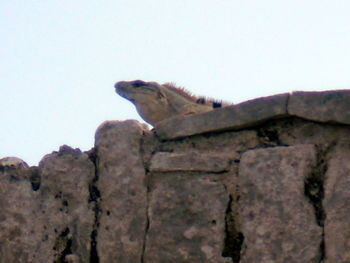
118	85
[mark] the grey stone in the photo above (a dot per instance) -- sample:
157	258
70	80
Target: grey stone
190	161
121	183
66	216
13	162
277	220
327	106
337	206
187	220
243	115
43	223
68	210
228	143
20	227
294	131
71	258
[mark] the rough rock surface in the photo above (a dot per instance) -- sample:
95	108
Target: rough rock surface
190	161
45	212
261	181
19	228
186	220
278	222
13	162
243	115
337	206
122	186
66	216
326	106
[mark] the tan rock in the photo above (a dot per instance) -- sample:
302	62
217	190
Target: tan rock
121	183
337	206
187	220
243	115
71	258
190	161
327	106
13	162
66	217
223	142
277	220
20	228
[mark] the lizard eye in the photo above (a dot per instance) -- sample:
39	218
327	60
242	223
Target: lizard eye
139	83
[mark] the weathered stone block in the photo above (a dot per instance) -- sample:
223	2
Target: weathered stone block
327	106
66	217
234	117
20	228
121	182
186	220
190	161
337	206
277	220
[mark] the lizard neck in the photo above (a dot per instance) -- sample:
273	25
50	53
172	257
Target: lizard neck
178	102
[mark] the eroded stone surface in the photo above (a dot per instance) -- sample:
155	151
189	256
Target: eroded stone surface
123	191
277	220
13	162
326	106
337	206
243	115
187	220
45	214
224	142
190	161
66	216
20	229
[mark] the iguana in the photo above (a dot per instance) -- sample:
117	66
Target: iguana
155	102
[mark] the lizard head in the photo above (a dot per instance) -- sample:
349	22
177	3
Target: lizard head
148	98
139	91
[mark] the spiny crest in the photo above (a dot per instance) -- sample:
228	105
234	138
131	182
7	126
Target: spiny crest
182	91
199	100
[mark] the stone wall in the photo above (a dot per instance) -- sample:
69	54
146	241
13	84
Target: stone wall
262	181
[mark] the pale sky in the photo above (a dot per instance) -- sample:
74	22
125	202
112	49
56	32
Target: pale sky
59	59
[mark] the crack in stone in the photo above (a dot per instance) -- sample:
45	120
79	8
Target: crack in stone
146	228
146	163
269	135
94	200
63	246
233	238
314	190
35	178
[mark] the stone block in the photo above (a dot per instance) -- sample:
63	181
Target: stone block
186	220
20	228
65	214
328	106
337	206
189	161
243	115
121	182
277	220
